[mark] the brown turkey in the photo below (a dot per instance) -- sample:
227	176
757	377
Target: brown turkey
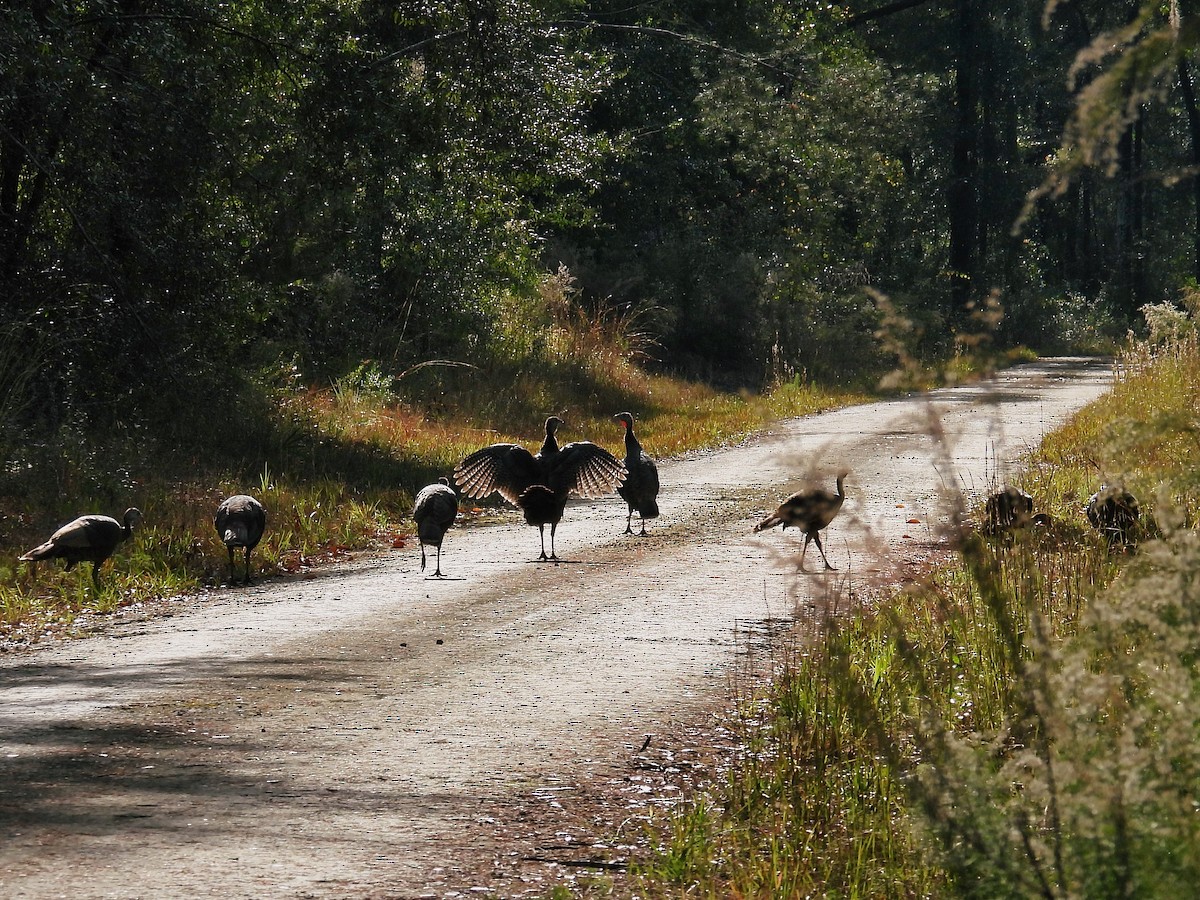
640	489
810	510
434	511
1115	513
90	538
240	523
1008	509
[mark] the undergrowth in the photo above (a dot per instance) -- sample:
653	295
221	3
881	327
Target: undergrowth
1024	724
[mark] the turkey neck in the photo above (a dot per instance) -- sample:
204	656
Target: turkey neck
632	447
550	445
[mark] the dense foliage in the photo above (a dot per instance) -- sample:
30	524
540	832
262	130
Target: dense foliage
194	193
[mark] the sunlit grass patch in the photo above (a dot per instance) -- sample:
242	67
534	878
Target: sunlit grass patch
1144	434
673	416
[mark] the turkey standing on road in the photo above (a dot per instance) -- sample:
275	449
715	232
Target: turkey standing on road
88	538
240	521
640	489
434	511
810	510
539	485
1114	511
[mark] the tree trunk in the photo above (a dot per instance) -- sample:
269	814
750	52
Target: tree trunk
1130	228
963	202
1193	115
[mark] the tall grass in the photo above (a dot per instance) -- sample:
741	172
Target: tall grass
1024	724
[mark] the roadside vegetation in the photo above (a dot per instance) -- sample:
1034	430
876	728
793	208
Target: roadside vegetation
1022	724
337	466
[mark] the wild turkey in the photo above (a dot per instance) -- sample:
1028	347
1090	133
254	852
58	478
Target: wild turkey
810	510
539	485
240	522
86	539
640	489
434	510
1114	511
1008	509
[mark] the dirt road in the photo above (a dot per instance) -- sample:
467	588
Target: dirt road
374	733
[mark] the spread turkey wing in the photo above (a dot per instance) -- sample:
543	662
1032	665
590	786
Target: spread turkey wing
585	469
505	469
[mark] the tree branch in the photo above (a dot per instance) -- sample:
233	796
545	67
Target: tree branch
882	11
581	24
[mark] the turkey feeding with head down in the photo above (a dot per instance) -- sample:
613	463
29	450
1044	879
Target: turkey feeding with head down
1115	513
90	538
1008	509
434	511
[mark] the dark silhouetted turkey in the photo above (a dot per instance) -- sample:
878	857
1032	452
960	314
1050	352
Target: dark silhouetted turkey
539	485
1114	511
640	489
1008	509
434	510
87	539
810	510
240	521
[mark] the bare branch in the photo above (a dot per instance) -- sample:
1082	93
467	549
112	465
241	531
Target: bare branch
552	24
882	11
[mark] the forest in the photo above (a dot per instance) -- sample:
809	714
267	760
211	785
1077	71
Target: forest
200	201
